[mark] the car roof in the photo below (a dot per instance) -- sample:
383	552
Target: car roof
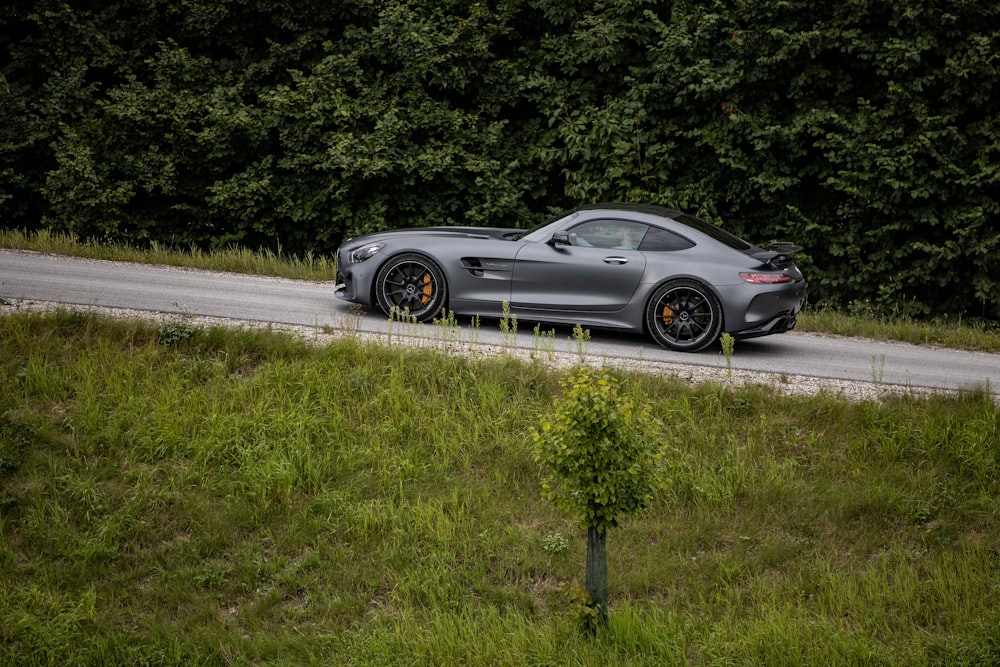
648	209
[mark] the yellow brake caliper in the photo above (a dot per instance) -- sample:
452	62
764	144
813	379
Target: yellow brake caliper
427	289
668	315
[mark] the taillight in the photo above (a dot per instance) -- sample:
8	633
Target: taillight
766	278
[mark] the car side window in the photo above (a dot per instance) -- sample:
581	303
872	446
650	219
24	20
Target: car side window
660	240
608	234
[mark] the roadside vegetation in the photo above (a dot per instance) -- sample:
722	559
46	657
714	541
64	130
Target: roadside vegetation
861	319
172	494
235	259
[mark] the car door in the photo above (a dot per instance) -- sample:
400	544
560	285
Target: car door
589	274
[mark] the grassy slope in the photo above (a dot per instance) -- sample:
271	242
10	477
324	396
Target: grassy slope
184	496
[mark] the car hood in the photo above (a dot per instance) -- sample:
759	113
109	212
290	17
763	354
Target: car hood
501	233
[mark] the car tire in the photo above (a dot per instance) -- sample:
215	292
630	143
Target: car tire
684	315
411	286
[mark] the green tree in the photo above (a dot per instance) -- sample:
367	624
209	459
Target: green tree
865	130
586	77
598	462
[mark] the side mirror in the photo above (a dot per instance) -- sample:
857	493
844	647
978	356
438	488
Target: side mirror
559	238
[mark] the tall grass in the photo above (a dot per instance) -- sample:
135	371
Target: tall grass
237	259
226	496
865	323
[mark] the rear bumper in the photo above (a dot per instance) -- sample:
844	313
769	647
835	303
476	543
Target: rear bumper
772	312
779	324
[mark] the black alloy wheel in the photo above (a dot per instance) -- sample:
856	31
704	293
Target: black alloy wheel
684	315
411	286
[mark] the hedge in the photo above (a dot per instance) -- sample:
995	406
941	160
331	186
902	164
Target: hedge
865	131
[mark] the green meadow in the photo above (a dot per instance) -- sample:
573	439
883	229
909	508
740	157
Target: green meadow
173	494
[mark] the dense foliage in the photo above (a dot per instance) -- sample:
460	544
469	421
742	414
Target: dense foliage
866	131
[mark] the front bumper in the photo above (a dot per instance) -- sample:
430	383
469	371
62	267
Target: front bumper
354	281
345	288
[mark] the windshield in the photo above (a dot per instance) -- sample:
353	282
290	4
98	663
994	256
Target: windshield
543	231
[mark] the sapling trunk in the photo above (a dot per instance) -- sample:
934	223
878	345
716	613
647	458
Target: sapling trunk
597	572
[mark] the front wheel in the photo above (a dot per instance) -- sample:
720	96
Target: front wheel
684	315
411	285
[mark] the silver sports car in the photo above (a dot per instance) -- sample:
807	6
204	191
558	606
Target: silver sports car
618	266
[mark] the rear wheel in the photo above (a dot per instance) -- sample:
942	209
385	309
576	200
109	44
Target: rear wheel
411	285
684	315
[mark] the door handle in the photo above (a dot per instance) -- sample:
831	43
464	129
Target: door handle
616	260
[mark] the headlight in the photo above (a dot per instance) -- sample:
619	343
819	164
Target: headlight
364	252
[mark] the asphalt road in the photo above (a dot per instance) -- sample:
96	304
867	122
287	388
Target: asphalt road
31	277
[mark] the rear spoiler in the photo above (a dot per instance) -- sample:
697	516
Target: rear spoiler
777	255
